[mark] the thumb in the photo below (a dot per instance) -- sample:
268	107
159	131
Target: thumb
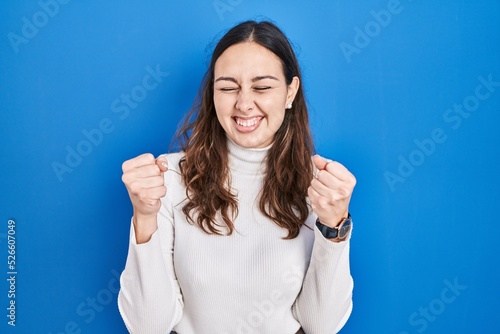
319	162
162	164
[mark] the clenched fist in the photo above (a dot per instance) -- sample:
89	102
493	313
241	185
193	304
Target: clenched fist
143	177
330	191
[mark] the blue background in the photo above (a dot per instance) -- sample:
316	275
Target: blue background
427	227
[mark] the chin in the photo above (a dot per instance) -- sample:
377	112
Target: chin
245	144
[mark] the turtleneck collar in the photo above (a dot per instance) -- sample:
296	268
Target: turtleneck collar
247	160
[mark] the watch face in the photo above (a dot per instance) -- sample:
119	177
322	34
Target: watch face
345	228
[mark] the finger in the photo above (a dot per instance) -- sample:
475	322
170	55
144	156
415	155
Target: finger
323	187
319	162
141	172
327	175
155	193
313	194
149	182
317	201
340	172
162	163
331	187
331	194
141	160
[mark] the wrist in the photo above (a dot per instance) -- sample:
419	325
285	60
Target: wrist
334	222
144	227
337	233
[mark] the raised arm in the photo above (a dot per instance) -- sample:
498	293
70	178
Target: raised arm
325	301
150	300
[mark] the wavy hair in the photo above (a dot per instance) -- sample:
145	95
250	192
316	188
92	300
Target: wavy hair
204	167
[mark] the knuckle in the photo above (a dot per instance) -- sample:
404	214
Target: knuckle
125	166
309	191
332	198
342	193
135	187
148	157
333	166
129	181
314	182
143	196
353	181
152	170
156	170
322	202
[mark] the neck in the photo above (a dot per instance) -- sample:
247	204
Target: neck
247	160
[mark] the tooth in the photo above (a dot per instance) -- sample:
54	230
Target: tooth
247	122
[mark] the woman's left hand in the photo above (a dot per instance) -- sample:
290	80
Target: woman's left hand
330	191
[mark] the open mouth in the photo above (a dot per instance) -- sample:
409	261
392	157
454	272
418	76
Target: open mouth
247	124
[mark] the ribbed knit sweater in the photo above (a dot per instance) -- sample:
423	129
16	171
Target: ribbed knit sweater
252	281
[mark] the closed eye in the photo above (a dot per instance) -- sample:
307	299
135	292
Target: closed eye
227	89
263	88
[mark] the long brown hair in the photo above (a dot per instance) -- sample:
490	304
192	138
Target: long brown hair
205	168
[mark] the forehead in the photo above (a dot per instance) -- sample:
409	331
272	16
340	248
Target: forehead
248	59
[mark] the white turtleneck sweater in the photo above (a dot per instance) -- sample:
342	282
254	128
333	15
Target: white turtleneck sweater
252	281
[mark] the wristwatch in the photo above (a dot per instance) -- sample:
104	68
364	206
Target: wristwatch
339	232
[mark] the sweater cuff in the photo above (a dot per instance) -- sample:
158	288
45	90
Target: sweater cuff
133	240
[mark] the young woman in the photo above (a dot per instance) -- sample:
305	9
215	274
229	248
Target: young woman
243	231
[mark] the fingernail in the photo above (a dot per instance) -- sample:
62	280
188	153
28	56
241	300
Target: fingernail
164	164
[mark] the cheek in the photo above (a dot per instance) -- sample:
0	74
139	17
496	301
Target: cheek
278	120
279	110
222	106
275	120
217	102
273	103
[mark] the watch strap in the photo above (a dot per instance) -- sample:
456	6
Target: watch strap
333	232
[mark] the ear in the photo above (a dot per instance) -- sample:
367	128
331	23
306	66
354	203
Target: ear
293	87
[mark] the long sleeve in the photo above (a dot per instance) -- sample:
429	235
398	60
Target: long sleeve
150	300
252	281
325	301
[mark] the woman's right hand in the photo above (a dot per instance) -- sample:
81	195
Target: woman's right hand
143	177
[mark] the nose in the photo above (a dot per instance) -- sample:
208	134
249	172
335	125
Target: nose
245	101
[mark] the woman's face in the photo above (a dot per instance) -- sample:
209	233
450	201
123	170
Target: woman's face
251	94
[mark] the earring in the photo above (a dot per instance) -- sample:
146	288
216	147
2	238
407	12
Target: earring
289	105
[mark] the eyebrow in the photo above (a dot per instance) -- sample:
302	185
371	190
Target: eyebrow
257	78
262	77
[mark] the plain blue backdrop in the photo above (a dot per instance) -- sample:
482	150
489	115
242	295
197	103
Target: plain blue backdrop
405	93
